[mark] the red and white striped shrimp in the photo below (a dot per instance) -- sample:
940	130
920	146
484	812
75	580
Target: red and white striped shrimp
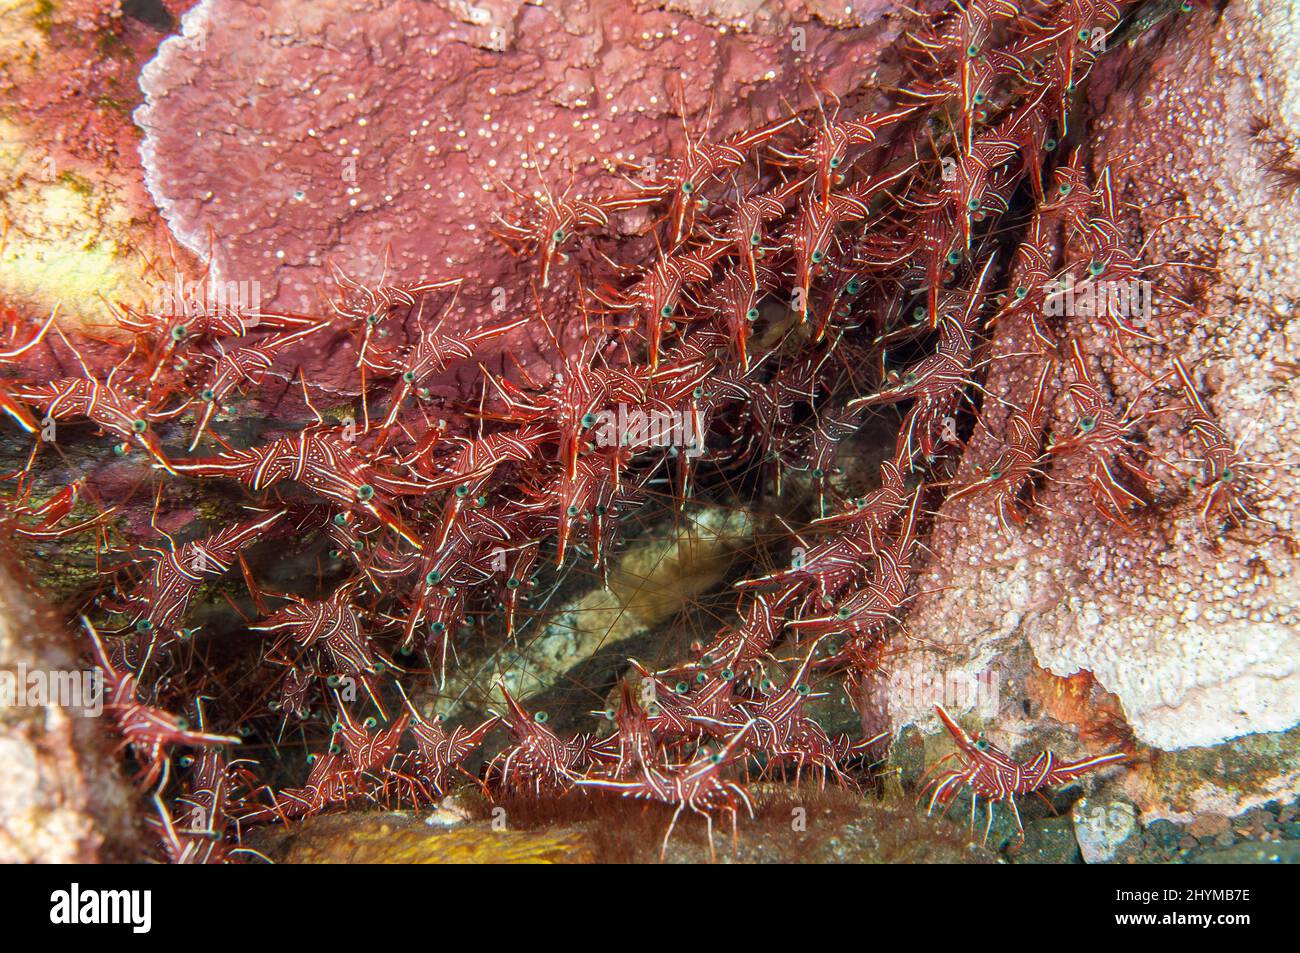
992	774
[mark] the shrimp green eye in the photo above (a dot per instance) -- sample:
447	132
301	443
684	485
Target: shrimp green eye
1050	145
919	313
139	426
973	204
183	723
853	287
979	99
715	758
817	256
462	491
752	314
311	759
588	420
755	238
688	187
573	509
995	474
409	377
433	577
365	492
766	685
207	394
1227	476
1085	33
541	717
1064	188
727	674
954	257
372	319
835	162
701	679
666	311
802	689
1185	7
973	50
184	634
437	628
1021	291
180	332
910	378
371	722
698	393
336	748
981	743
185	760
1096	268
143	626
818	473
601	509
681	688
1087	423
609	714
340	519
559	236
843	612
512	583
333	682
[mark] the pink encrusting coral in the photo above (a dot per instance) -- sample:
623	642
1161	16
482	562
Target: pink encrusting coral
791	277
280	137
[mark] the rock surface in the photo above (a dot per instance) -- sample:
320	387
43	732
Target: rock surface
1102	827
62	797
670	564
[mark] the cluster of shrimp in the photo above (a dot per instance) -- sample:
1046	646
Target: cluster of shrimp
791	263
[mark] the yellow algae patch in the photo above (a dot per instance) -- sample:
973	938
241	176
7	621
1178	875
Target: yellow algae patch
402	838
23	25
67	234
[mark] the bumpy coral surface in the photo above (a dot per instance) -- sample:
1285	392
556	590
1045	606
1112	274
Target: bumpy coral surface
1198	640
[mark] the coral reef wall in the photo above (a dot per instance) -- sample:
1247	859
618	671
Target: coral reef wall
382	491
